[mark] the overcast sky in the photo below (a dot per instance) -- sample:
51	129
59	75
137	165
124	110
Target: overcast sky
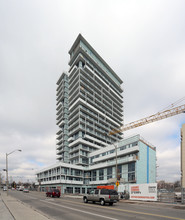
143	42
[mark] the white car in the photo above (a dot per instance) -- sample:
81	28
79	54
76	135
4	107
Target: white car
178	196
4	188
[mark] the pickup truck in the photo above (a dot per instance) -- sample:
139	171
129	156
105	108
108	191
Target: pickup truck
102	195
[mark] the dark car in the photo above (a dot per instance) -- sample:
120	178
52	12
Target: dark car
53	193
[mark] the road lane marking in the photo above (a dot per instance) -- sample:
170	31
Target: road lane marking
31	197
90	213
133	212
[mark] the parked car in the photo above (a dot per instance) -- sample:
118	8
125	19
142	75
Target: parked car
53	193
25	190
103	196
20	188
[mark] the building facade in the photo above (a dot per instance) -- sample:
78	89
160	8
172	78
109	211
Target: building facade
62	146
94	105
89	105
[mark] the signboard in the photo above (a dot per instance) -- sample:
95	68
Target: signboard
112	180
146	192
106	187
121	188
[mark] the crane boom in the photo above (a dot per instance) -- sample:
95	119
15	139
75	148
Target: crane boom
156	117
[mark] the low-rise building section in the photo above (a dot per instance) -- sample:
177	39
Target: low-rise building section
136	160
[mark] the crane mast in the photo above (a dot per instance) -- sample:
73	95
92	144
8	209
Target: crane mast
156	117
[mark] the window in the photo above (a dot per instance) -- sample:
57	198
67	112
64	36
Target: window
92	192
92	159
134	144
131	176
119	174
94	175
131	167
113	192
77	190
76	136
96	191
77	172
58	170
112	151
84	160
65	170
105	192
123	147
109	172
84	146
71	171
69	189
101	174
131	171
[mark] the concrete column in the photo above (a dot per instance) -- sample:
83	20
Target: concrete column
105	174
97	175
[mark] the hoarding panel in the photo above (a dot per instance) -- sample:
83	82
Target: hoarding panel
145	192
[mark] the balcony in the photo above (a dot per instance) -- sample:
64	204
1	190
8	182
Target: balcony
71	139
99	182
73	70
119	153
81	140
113	162
61	181
71	150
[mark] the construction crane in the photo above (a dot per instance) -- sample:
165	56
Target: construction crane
156	117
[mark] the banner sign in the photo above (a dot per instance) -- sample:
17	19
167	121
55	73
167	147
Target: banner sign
146	192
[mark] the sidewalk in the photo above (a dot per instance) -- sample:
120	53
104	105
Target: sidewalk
177	205
13	209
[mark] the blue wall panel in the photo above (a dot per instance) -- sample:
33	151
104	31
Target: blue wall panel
146	165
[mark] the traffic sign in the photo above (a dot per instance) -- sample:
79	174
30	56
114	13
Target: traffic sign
117	183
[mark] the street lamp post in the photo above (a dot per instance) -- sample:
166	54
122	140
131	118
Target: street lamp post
116	163
116	146
7	167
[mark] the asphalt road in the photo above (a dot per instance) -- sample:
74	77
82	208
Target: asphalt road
65	208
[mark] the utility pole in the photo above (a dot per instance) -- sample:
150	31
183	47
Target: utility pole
7	173
116	147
